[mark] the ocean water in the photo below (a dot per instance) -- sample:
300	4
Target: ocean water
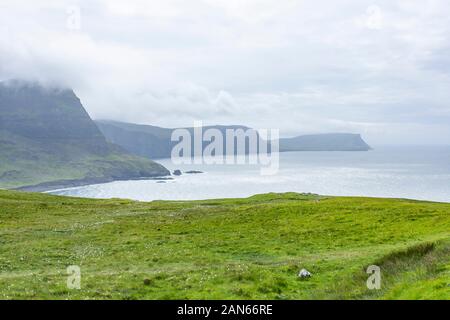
400	172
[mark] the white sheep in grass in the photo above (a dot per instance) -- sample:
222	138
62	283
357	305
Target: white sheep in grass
304	274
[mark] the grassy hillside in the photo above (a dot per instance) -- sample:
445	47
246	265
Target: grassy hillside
236	248
30	163
47	137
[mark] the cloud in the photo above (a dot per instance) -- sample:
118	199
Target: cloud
374	18
379	68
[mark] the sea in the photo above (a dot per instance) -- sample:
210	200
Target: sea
413	172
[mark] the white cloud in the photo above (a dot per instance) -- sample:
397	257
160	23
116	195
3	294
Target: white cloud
374	18
374	67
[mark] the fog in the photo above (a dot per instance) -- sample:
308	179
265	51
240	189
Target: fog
379	68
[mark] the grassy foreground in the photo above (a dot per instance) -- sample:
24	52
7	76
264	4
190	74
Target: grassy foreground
223	249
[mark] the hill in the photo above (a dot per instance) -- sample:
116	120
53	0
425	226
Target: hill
48	139
154	142
223	249
325	142
151	141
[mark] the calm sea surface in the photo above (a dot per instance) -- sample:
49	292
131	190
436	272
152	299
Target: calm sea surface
400	172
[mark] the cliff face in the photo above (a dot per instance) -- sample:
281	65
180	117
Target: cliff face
48	116
154	142
325	142
46	136
145	141
151	141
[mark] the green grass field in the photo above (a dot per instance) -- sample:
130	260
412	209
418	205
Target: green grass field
24	163
223	249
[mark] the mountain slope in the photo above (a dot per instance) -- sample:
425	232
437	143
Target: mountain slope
146	141
47	137
154	142
325	142
151	141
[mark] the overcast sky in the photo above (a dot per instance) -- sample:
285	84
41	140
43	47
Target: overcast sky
379	68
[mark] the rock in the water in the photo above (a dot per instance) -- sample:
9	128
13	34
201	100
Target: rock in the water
304	274
193	172
177	172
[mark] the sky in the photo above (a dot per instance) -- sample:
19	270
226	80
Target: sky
378	68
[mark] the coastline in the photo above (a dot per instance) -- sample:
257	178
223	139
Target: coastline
65	184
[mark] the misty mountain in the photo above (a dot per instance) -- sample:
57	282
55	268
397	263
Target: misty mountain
142	140
325	142
47	138
155	142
